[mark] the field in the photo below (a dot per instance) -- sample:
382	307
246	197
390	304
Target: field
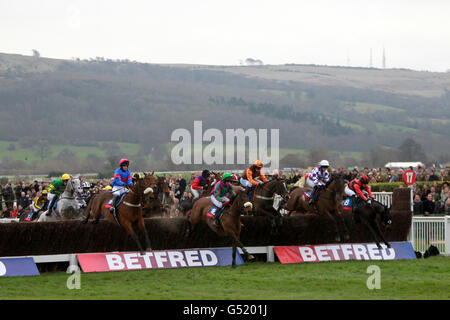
424	279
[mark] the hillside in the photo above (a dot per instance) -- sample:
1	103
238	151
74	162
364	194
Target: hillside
46	102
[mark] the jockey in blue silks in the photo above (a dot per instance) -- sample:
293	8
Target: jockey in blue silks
122	179
318	178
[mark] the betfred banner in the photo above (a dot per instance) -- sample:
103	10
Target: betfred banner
164	259
15	267
344	252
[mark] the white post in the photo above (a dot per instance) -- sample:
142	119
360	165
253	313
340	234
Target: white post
447	235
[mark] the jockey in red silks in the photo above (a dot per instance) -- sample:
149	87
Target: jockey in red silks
199	183
122	179
356	186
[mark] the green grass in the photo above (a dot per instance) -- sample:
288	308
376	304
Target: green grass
407	279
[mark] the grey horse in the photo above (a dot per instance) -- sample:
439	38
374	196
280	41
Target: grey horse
68	207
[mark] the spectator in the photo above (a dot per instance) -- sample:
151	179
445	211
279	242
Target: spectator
5	213
8	195
394	177
420	174
417	205
428	205
433	176
24	200
347	175
293	178
15	212
436	196
425	192
447	207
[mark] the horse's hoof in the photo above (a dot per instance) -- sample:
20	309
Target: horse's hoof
148	249
389	246
337	239
250	257
379	247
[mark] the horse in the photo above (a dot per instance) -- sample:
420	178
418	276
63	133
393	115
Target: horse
230	220
153	206
68	207
367	215
263	201
328	203
129	214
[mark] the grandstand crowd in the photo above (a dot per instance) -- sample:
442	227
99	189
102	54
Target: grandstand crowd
431	189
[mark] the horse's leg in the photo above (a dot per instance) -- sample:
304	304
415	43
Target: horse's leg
129	229
346	233
246	254
337	236
372	232
233	254
380	234
141	226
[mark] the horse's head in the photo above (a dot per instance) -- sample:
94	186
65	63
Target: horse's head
240	202
73	187
142	188
337	185
383	211
152	182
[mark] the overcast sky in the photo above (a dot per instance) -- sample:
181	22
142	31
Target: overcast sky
415	34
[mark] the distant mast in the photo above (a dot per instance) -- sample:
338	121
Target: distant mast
384	59
370	59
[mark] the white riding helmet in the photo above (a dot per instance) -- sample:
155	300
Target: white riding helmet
86	185
324	163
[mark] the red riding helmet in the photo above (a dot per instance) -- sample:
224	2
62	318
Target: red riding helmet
124	162
364	180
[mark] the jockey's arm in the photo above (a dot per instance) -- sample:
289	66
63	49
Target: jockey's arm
195	184
367	188
263	177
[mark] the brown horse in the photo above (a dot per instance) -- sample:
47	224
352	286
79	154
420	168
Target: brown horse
263	201
129	213
328	203
230	220
153	206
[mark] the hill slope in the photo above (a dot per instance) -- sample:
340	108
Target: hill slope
342	109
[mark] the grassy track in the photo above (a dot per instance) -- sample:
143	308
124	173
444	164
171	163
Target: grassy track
407	279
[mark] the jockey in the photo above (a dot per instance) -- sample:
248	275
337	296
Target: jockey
85	194
356	186
122	179
38	204
318	178
253	176
199	183
54	190
218	195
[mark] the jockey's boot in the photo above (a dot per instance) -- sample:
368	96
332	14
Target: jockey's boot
113	204
313	195
217	217
50	206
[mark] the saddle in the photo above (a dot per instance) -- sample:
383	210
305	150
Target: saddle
350	204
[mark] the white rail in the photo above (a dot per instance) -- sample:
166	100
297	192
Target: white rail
427	231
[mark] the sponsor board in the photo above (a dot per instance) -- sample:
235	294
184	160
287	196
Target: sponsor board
344	252
164	259
15	267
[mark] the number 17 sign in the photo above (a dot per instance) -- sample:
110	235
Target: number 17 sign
409	177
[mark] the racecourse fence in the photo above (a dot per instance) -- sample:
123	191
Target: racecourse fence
426	231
